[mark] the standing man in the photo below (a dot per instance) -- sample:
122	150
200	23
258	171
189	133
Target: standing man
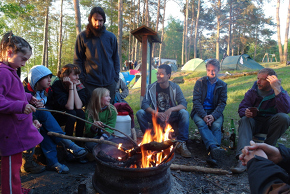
164	99
209	101
96	54
273	104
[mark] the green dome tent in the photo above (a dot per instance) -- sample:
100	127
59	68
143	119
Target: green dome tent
240	62
153	79
196	64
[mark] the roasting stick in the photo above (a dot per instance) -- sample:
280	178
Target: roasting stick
64	113
86	139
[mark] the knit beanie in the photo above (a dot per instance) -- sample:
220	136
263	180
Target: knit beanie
36	73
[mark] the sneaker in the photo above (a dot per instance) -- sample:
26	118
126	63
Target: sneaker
182	150
239	168
59	168
29	166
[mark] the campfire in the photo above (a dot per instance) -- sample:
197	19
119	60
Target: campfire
140	169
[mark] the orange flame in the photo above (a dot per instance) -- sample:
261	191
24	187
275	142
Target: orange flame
149	158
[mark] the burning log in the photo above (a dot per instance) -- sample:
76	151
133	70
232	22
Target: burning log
152	146
198	169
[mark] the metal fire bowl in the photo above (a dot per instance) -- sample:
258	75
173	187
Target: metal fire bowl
111	179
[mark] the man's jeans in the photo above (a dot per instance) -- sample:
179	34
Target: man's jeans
273	126
181	117
210	135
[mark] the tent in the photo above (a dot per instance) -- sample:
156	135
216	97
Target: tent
153	79
127	77
196	64
240	62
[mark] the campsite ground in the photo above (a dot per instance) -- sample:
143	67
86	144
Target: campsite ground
187	182
183	182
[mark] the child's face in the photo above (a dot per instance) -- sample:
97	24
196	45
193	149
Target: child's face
44	83
74	77
17	60
105	100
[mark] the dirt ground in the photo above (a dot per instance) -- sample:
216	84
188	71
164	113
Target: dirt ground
187	182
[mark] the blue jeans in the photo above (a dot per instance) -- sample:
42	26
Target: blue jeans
210	135
48	145
181	117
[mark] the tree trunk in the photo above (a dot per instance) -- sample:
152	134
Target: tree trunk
191	30
60	38
186	32
147	14
183	41
195	30
156	27
278	32
136	43
230	29
120	27
217	54
77	16
132	40
44	51
286	35
162	34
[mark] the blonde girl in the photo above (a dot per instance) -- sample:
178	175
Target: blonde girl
100	112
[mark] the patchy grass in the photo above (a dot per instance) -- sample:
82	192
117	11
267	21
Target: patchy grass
237	87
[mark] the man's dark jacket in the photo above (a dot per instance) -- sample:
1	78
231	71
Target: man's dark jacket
97	58
199	95
268	177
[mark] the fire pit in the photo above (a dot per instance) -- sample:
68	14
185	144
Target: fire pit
152	176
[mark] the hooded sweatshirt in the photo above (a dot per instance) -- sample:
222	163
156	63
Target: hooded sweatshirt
17	132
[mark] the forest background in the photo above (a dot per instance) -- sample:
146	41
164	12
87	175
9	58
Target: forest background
210	28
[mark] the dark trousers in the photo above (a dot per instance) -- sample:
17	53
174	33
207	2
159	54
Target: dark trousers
273	126
111	88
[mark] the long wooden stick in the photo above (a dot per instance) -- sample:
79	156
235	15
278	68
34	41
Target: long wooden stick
64	113
198	169
85	139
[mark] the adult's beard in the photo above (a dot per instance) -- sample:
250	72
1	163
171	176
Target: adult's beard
91	31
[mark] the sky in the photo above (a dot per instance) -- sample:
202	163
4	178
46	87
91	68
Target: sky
173	9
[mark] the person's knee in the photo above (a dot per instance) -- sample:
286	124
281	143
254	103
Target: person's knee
140	114
283	118
184	114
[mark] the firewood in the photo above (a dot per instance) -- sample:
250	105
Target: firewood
198	169
85	139
153	146
134	135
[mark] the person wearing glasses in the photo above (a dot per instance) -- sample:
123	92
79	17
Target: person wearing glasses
164	100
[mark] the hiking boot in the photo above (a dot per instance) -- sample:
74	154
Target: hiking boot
218	153
182	150
29	166
239	168
212	162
